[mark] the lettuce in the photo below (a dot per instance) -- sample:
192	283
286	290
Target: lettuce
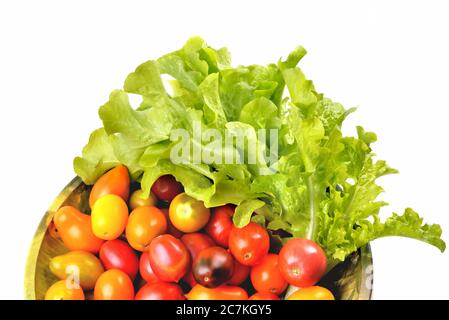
322	185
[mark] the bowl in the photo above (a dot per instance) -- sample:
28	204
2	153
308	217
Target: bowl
350	280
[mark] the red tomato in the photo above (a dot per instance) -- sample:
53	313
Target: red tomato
264	296
302	262
169	258
195	242
145	269
240	274
166	188
115	181
266	277
171	229
250	244
117	254
213	267
220	225
160	291
114	284
199	292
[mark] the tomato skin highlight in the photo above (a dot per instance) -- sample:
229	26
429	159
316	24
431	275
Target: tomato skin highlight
60	291
200	292
115	181
220	225
75	230
264	296
117	254
114	284
212	267
312	293
160	291
169	258
146	272
195	243
302	262
166	188
109	217
239	275
249	245
188	214
266	277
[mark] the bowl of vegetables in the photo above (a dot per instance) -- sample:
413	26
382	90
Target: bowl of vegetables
221	183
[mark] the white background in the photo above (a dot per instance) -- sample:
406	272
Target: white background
60	59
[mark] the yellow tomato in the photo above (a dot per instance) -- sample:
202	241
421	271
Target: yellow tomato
64	290
312	293
137	200
109	217
188	214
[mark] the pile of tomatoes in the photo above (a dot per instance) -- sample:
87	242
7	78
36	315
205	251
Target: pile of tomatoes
169	246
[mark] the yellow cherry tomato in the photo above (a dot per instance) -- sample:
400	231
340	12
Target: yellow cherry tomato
188	214
137	200
109	217
312	293
64	290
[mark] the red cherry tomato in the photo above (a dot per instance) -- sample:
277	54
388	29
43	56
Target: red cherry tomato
169	258
160	291
199	292
115	181
266	277
195	243
212	267
220	225
114	284
302	262
145	269
264	296
166	188
249	245
117	254
240	274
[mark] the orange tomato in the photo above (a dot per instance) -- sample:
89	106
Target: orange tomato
63	290
188	214
264	296
114	284
199	292
115	181
75	230
109	217
312	293
144	224
137	200
266	277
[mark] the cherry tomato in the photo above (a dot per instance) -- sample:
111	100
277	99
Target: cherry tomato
137	200
144	224
188	214
170	227
220	225
109	217
249	245
266	277
169	258
212	267
114	284
195	242
239	275
81	266
115	181
160	291
166	188
75	230
62	290
117	254
312	293
302	262
199	292
264	296
145	269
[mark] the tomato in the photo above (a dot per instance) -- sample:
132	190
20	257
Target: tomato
160	291
114	284
312	293
145	269
170	227
63	290
302	262
79	266
115	181
75	230
249	245
212	267
239	275
137	200
266	277
220	225
195	243
264	296
188	214
169	258
199	292
144	224
166	188
117	254
109	217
